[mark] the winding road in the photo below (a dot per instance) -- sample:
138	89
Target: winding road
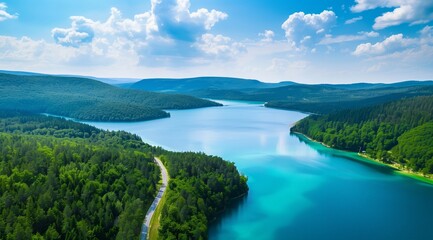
146	224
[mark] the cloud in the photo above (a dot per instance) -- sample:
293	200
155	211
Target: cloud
168	34
175	21
219	45
81	31
267	35
404	11
391	44
353	20
4	15
329	39
30	51
302	29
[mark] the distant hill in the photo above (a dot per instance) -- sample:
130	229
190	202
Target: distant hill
315	98
349	99
355	86
395	132
88	99
112	81
188	85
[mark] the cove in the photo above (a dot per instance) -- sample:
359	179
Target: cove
298	189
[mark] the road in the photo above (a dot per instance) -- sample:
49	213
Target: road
149	214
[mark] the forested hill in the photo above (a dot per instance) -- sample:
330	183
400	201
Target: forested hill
315	98
87	99
198	84
200	188
388	132
65	180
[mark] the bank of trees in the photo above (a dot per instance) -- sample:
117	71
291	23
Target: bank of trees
386	132
200	188
60	179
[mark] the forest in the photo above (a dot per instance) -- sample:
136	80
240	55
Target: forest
395	132
61	179
200	188
87	99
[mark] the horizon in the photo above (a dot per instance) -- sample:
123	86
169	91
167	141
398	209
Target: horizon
120	80
339	42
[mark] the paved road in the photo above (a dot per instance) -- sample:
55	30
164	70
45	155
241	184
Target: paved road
149	214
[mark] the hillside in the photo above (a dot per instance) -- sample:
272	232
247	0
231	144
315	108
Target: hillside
65	180
191	85
315	98
384	132
87	99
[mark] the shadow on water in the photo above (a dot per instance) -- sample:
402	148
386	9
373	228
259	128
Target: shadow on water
233	208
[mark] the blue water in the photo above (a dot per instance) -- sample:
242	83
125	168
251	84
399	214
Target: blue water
298	189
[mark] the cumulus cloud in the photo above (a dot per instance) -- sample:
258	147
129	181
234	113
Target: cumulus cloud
353	20
219	45
329	39
267	35
168	34
301	28
81	31
391	44
4	15
175	21
404	11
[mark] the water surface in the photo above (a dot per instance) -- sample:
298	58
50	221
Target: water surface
298	189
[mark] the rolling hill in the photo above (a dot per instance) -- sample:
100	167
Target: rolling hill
318	98
191	85
88	99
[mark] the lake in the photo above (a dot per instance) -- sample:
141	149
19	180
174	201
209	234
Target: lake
298	189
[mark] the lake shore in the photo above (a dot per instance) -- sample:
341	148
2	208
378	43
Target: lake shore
396	167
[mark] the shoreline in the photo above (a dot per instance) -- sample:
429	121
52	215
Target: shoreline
397	168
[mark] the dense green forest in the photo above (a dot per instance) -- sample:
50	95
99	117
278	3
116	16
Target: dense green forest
61	179
200	188
395	132
87	99
67	180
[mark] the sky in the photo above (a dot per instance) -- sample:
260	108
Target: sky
307	41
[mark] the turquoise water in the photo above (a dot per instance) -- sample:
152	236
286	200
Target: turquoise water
298	190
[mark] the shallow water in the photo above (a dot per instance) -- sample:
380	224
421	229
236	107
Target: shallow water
298	189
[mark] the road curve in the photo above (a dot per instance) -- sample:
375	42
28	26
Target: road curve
146	224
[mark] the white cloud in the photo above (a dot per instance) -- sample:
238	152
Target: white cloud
81	31
219	45
391	44
329	39
168	34
398	44
4	15
304	28
268	36
353	20
404	11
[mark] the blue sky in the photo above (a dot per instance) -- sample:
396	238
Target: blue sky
310	41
